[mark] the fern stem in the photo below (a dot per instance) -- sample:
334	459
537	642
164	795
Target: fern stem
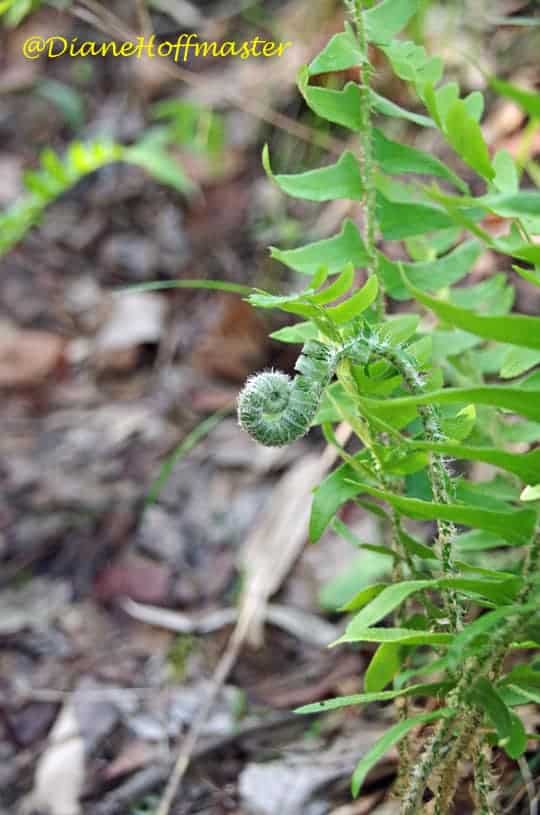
485	787
363	431
449	773
439	476
487	662
354	8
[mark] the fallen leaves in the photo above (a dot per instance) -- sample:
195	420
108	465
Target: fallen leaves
133	576
29	358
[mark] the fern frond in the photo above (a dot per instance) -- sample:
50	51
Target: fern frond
56	175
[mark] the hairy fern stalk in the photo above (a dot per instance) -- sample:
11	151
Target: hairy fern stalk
418	400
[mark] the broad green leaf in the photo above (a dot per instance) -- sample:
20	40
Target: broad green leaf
527	100
528	252
294	304
297	334
340	107
340	180
386	19
333	253
458	427
428	667
430	275
517	432
506	178
519	360
391	737
336	289
389	108
496	492
398	220
383	667
414	547
434	245
527	693
509	727
411	62
442	100
331	493
395	158
514	205
478	540
405	636
338	702
528	274
451	343
516	526
398	329
525	674
386	601
501	590
474	103
400	462
491	296
341	52
465	136
521	401
356	303
363	597
517	329
524	465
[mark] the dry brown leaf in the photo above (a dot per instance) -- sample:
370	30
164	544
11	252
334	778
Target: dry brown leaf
133	576
28	358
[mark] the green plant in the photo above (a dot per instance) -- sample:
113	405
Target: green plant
417	399
58	174
14	12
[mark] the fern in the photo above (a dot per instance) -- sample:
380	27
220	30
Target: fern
14	12
56	175
386	379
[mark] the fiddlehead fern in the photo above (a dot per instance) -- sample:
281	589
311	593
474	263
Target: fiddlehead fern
275	409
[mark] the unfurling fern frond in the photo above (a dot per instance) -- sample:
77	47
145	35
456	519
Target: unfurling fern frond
274	409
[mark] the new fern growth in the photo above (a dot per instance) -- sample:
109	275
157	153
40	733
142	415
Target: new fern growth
417	398
275	410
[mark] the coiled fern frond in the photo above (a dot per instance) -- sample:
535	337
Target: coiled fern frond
275	409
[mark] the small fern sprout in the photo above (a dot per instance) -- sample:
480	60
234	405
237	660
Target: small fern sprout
275	409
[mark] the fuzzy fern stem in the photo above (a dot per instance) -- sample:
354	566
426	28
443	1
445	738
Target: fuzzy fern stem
354	8
487	662
439	476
